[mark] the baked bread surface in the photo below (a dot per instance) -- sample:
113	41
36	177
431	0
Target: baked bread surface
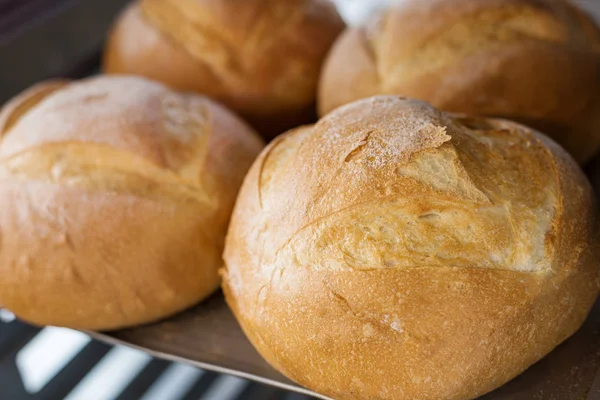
392	251
261	58
115	196
532	61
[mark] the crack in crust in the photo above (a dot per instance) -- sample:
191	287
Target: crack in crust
96	167
263	162
445	188
195	39
360	147
229	59
175	160
263	35
341	300
482	30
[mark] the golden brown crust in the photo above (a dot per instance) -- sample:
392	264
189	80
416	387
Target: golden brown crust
393	251
261	58
126	188
12	111
534	61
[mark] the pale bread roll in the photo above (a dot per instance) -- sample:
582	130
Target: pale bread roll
115	196
392	251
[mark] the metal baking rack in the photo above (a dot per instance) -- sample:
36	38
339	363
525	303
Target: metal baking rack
54	364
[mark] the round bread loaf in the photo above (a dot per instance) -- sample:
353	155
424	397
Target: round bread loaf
393	251
115	196
261	58
533	61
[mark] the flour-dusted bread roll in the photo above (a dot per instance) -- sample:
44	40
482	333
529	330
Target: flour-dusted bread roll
261	58
392	251
533	61
115	195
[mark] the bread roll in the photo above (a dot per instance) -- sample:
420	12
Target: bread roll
533	61
261	58
115	196
393	251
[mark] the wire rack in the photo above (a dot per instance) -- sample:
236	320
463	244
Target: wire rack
55	363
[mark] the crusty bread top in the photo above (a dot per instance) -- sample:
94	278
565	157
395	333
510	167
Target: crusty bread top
457	29
100	110
116	194
532	61
256	47
121	133
415	186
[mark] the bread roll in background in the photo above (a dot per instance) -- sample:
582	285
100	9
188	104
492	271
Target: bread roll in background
115	197
261	58
533	61
392	251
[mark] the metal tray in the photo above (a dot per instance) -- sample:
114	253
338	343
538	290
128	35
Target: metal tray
208	336
65	42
